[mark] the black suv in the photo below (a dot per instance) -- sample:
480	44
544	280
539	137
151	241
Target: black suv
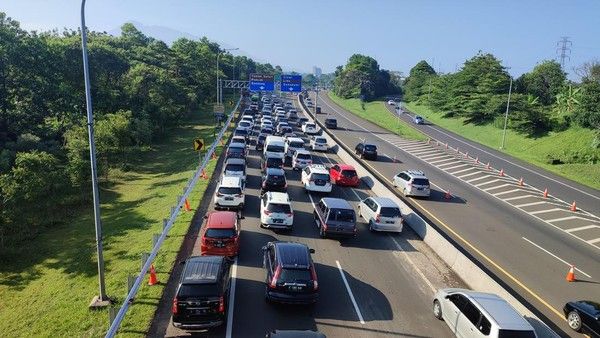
202	294
273	180
260	141
331	123
291	275
366	150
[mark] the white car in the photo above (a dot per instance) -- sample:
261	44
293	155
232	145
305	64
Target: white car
391	103
276	210
238	139
480	315
266	124
412	183
292	144
245	125
235	167
230	193
315	177
301	159
309	128
319	143
381	214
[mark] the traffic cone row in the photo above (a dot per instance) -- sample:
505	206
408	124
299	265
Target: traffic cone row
521	182
467	154
152	280
488	166
477	160
446	145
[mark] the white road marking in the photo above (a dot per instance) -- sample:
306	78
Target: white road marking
585	227
518	197
231	300
424	152
360	317
507	192
561	219
470	174
553	255
415	147
530	204
461	171
483	183
410	261
433	156
497	186
456	166
444	160
544	211
595	240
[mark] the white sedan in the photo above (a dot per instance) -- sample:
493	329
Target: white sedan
391	103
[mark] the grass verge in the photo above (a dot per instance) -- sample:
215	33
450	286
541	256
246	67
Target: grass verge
377	113
532	150
47	283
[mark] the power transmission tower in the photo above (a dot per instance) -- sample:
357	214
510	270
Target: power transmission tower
563	49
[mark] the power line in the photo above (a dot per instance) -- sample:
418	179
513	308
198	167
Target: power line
563	49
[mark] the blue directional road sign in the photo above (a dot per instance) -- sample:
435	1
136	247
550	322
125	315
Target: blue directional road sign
261	82
291	83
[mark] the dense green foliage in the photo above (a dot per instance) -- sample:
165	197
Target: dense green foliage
140	87
362	78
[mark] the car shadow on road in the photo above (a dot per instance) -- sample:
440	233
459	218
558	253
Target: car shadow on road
252	241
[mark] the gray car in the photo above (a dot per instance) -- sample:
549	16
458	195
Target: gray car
335	217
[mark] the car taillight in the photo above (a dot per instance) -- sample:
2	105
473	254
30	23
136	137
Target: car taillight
313	275
221	304
267	212
204	241
264	184
219	194
289	214
174	307
273	283
377	218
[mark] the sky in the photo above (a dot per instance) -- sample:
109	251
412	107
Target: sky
301	34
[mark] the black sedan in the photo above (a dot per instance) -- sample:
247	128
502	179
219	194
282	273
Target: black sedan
366	151
583	316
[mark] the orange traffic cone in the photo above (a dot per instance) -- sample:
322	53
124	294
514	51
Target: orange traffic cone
477	160
447	195
446	145
488	166
545	193
152	280
467	154
203	175
214	156
501	172
222	142
573	207
571	274
186	205
521	181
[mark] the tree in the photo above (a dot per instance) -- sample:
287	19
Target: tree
362	78
418	81
545	81
588	112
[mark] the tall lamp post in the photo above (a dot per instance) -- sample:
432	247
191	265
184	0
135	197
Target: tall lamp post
101	300
219	94
506	114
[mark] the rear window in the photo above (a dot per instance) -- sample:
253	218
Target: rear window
241	132
198	290
303	156
230	190
296	144
275	148
420	181
390	212
262	137
276	178
515	334
235	150
331	121
234	167
320	140
274	162
220	233
349	173
279	208
320	177
295	275
370	147
310	125
341	215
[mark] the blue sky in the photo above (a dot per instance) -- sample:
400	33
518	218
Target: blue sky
300	34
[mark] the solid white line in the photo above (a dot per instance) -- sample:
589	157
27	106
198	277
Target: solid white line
456	166
518	197
585	227
561	219
496	187
482	183
360	317
470	174
410	261
508	192
544	211
441	161
462	170
595	240
517	165
231	299
530	204
553	255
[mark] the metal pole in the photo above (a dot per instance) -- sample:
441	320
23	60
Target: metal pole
218	54
506	114
90	124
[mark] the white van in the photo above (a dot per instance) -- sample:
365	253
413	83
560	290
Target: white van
274	147
292	144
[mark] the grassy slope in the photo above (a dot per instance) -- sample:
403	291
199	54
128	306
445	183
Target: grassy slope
528	149
377	113
47	284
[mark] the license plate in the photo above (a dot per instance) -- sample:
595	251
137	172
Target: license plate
220	244
277	221
295	288
419	188
200	311
229	198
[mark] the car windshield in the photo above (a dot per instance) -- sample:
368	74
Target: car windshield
241	132
262	137
310	125
349	173
234	167
291	275
275	148
370	147
330	121
235	150
303	156
230	191
342	215
390	212
324	177
220	233
279	208
420	181
320	140
296	144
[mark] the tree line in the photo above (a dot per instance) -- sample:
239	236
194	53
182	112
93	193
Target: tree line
141	87
362	78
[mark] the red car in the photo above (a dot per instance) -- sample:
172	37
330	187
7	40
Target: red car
344	174
221	234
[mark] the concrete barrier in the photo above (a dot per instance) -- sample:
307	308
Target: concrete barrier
462	263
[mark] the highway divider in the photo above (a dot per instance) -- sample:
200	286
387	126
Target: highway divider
472	272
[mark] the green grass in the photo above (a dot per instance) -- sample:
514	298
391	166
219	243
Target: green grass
532	150
47	283
377	113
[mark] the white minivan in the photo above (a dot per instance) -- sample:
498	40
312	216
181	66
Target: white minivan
292	144
274	147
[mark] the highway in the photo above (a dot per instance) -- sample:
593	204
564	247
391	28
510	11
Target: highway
375	285
526	241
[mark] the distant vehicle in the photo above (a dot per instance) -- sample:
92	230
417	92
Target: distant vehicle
315	177
271	162
236	150
477	314
418	120
331	123
241	132
235	167
583	316
205	280
391	103
309	128
412	183
292	144
319	143
344	174
220	234
266	130
260	141
274	146
276	210
302	121
335	217
318	109
230	193
291	275
301	159
366	150
287	131
381	214
295	334
273	180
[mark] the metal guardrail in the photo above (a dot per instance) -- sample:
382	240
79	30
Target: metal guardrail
167	225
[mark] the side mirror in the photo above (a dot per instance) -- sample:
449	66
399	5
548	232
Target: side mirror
312	251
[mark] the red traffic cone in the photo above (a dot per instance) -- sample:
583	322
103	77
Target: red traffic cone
571	274
203	175
446	145
477	160
488	166
186	205
521	181
467	154
545	194
573	207
457	150
447	195
501	172
152	280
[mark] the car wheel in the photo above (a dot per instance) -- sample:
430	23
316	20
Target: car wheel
574	320
437	309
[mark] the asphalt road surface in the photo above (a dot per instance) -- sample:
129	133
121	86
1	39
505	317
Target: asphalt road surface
525	240
375	285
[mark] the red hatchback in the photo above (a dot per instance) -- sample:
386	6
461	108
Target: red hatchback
344	174
221	234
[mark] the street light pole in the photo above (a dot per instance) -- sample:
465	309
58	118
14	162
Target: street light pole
100	300
506	114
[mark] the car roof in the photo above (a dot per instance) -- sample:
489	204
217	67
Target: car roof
330	120
221	219
291	139
590	307
318	169
275	171
416	173
235	161
503	314
385	202
231	181
336	203
345	166
302	151
202	269
292	254
278	197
